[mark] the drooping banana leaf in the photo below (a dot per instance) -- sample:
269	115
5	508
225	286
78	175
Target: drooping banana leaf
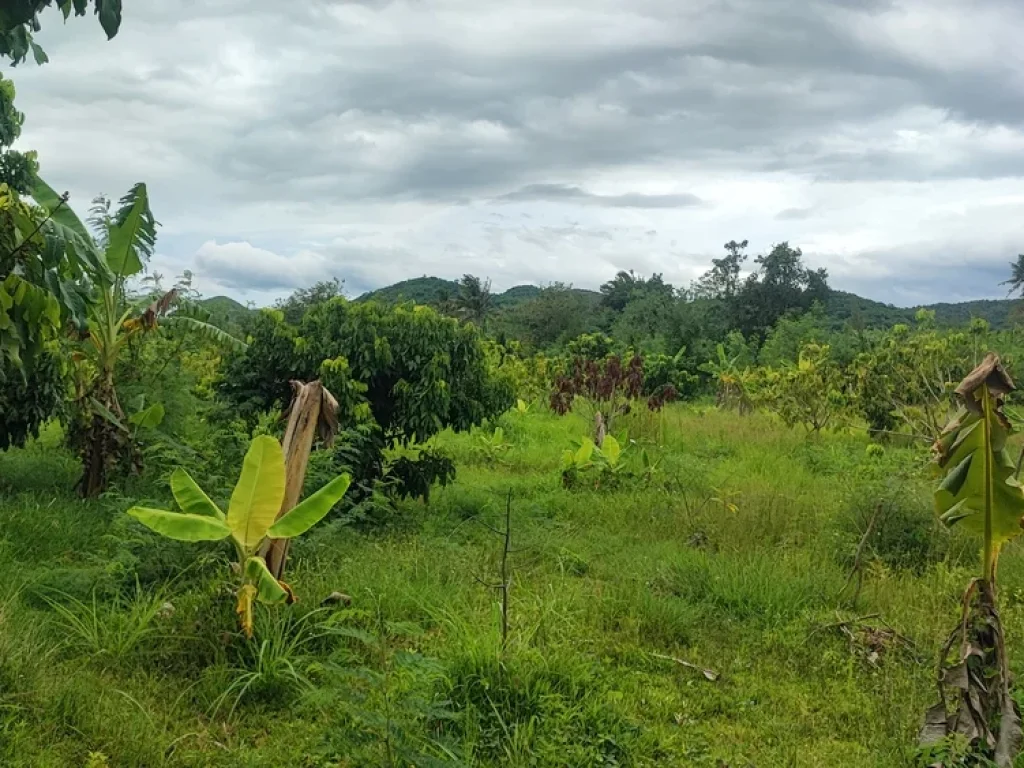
979	489
180	525
191	498
207	330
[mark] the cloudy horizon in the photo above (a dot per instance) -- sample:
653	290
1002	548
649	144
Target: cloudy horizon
376	141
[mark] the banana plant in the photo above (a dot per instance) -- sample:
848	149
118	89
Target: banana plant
250	520
576	460
124	241
586	455
492	446
609	455
979	492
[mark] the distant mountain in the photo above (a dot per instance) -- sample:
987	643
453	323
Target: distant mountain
845	307
998	312
421	290
225	310
429	290
841	306
516	295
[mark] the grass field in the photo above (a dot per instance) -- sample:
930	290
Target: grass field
118	648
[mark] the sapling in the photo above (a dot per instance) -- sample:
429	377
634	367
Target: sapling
980	492
255	503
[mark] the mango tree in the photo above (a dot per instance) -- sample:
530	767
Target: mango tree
811	393
252	519
43	287
400	374
980	492
909	378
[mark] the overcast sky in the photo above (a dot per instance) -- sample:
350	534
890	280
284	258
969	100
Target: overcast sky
290	141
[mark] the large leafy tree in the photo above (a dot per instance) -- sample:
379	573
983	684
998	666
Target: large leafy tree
781	284
627	287
43	286
617	292
558	313
20	19
400	374
722	281
295	306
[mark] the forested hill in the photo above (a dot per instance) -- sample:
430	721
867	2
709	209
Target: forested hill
842	307
433	290
848	307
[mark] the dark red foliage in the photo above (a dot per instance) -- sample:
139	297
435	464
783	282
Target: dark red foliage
601	381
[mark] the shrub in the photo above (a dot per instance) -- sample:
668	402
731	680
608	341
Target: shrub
400	375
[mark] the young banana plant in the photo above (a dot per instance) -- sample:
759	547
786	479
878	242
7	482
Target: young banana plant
250	520
980	492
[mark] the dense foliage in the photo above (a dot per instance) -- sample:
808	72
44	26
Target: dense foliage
402	373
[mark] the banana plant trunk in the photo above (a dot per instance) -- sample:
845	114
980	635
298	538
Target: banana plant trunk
100	441
980	492
313	413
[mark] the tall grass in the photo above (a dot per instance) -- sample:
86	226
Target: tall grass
731	556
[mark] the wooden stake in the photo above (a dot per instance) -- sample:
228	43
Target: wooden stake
313	411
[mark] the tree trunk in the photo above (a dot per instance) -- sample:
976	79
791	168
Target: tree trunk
313	410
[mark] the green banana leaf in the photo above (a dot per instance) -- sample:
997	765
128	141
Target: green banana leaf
132	233
310	511
268	589
259	493
180	525
191	498
611	450
150	418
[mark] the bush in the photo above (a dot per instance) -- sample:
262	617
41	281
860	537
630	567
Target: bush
400	375
906	534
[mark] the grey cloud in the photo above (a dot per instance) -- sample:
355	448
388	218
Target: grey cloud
794	214
279	124
567	192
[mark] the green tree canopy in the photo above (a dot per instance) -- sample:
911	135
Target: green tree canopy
722	281
781	284
409	370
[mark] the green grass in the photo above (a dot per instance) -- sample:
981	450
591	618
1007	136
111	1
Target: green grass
734	558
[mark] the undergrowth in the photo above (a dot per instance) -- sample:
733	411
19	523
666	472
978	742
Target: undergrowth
118	648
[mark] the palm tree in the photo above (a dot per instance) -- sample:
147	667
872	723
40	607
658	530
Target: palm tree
474	300
1016	281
